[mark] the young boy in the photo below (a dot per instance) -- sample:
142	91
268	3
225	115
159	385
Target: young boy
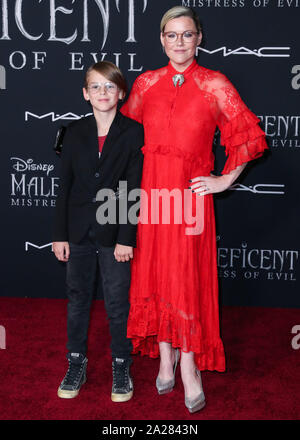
98	151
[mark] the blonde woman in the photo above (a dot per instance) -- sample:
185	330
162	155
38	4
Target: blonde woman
174	289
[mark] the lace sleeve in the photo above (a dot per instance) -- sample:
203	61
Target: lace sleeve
241	135
133	106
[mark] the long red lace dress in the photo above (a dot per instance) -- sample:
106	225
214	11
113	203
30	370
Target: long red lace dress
174	284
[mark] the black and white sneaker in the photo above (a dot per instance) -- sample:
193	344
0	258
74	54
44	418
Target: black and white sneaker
122	387
75	377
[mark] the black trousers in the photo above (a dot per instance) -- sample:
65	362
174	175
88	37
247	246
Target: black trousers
82	276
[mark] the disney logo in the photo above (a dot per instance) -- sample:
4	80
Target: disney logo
22	165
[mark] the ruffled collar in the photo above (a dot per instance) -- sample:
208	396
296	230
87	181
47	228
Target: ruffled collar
186	72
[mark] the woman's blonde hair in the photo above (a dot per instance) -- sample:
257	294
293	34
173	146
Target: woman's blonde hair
180	11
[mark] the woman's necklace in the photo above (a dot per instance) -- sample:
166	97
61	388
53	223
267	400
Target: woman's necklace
179	78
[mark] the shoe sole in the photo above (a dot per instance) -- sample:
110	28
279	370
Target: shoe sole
166	391
197	407
67	394
121	397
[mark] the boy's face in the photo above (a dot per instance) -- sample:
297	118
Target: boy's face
102	93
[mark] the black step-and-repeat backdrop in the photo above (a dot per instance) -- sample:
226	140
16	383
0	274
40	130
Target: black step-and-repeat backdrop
45	47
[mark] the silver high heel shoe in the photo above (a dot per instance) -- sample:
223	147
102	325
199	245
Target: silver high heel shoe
164	387
198	403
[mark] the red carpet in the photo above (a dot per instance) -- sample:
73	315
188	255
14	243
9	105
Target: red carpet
262	379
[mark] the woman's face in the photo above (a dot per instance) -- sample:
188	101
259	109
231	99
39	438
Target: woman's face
180	52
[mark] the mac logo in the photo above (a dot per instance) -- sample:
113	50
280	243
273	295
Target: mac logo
259	188
28	245
262	52
55	117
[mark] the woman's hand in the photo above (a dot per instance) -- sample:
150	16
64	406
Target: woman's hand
212	184
123	253
61	250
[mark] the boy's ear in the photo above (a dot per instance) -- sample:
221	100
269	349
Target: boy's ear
122	95
85	94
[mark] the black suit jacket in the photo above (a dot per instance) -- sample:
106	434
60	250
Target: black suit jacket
83	174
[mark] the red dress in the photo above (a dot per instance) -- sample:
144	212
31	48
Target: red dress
174	284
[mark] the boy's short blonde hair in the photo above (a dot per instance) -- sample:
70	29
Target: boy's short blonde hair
110	71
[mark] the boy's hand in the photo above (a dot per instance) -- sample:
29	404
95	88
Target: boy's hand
123	253
61	250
